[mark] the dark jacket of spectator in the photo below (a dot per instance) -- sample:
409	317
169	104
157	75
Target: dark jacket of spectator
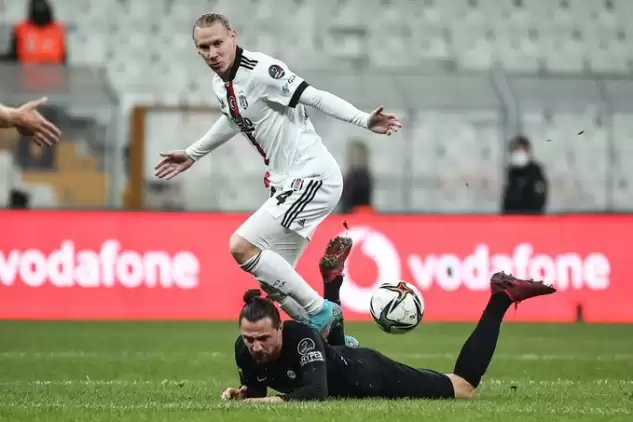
526	185
358	183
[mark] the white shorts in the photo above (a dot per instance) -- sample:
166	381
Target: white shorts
296	209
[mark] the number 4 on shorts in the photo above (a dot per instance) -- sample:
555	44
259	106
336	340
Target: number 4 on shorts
281	198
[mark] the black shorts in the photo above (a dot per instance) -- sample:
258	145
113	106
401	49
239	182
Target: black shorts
376	375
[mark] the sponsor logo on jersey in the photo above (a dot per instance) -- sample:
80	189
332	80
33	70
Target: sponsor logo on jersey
285	90
243	102
291	374
276	72
306	345
311	357
291	79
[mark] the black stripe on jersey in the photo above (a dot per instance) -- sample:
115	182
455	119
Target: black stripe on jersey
298	207
297	95
287	220
247	66
248	61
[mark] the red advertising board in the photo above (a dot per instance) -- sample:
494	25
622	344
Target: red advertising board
115	265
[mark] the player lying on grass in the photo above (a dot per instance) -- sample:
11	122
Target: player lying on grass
29	122
292	358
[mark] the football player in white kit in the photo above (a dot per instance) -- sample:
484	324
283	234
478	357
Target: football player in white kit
265	101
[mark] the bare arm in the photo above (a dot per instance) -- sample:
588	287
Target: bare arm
221	131
7	116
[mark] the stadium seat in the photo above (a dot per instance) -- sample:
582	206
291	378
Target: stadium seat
154	60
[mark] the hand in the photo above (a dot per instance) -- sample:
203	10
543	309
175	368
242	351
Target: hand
172	164
383	123
30	122
234	393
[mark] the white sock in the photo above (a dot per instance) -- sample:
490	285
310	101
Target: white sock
270	268
288	304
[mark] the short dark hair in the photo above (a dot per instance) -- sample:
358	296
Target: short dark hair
257	308
521	141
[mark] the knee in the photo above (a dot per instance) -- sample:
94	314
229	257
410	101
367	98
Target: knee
463	389
241	249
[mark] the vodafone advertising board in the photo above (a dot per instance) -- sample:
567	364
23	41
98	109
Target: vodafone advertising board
116	265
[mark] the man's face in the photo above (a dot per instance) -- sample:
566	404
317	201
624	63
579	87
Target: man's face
520	157
262	339
216	45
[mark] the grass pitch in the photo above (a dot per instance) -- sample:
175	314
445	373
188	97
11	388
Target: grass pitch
95	371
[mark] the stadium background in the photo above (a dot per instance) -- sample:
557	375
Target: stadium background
104	239
466	77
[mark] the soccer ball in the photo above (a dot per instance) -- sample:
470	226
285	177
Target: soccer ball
397	307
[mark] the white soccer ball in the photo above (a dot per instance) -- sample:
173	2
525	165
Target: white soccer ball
397	307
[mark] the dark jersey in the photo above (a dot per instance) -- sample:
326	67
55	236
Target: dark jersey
310	369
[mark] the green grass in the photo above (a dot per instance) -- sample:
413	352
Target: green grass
158	372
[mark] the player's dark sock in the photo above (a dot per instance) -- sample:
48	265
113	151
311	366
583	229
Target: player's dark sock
477	352
332	292
337	335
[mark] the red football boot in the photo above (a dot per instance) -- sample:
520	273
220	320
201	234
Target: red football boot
333	261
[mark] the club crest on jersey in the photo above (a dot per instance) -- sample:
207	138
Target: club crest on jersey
291	374
276	72
285	90
296	184
243	102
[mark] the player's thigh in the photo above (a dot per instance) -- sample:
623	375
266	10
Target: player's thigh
423	384
291	247
305	203
383	377
398	380
263	230
289	218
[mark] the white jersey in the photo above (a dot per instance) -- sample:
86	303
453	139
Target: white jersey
262	100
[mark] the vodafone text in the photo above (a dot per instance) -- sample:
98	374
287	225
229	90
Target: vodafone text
472	271
106	267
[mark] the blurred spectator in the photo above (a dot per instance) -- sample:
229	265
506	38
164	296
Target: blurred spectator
39	39
18	200
358	185
526	185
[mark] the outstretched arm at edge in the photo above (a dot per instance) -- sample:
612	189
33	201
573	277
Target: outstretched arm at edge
334	106
221	131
